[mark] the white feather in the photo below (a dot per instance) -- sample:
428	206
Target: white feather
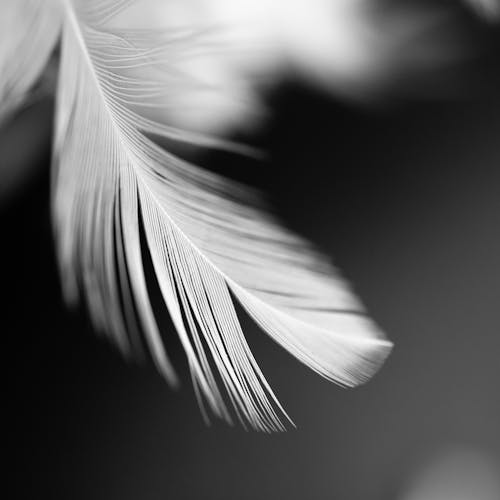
116	194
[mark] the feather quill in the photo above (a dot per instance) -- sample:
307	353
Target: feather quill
117	195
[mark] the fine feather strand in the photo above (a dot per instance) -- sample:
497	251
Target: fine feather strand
207	239
28	32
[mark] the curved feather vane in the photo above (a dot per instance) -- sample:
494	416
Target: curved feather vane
208	240
29	30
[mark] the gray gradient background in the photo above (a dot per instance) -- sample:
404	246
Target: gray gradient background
407	201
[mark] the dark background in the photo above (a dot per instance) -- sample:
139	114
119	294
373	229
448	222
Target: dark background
407	201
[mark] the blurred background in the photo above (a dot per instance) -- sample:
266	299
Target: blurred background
405	197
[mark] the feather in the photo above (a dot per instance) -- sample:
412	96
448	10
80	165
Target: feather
28	32
209	241
119	199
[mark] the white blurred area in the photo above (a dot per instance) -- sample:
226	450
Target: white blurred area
238	49
353	48
490	9
457	475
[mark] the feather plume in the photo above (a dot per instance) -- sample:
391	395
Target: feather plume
117	195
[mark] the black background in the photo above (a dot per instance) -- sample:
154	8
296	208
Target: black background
407	201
